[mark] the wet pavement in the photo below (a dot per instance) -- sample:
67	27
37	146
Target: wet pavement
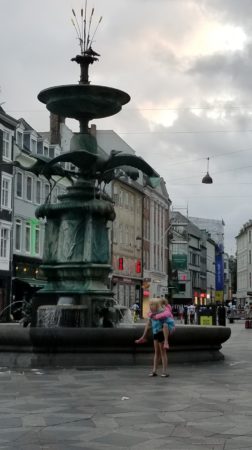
200	406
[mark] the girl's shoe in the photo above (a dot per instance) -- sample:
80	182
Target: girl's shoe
140	340
166	345
165	375
153	374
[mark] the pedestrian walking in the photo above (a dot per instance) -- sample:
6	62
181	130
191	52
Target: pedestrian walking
191	312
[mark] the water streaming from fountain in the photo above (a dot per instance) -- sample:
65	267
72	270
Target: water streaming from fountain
50	316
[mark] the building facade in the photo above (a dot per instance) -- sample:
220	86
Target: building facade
216	230
30	191
7	132
244	264
227	279
126	243
210	244
156	207
192	259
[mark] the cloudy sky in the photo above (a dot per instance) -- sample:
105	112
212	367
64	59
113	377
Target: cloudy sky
187	65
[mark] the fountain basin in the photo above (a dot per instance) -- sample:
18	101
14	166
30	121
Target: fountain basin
99	347
78	101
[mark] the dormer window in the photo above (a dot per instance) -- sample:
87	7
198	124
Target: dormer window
51	152
19	138
33	146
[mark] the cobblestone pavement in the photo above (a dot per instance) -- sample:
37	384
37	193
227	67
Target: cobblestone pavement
201	406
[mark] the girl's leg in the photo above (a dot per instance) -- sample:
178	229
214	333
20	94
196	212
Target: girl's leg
164	359
156	358
166	336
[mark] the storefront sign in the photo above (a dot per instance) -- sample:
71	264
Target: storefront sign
219	271
219	296
206	320
179	262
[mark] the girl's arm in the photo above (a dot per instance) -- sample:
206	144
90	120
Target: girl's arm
146	328
162	315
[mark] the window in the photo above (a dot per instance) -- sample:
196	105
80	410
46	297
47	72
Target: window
18	233
115	195
51	152
131	202
6	192
19	185
37	240
38	192
194	259
33	146
126	234
121	198
250	236
29	188
46	151
121	233
115	232
47	191
54	195
126	200
182	287
249	256
6	144
4	237
39	150
20	139
27	237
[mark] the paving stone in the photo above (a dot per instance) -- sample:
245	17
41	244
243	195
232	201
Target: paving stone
122	440
201	406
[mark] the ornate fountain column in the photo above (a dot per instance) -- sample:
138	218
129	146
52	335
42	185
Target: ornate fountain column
76	259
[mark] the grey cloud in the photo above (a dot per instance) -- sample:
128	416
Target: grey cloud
235	11
229	70
137	40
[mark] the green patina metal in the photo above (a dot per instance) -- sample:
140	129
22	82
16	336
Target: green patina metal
76	260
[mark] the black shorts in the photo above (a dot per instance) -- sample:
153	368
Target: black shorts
159	337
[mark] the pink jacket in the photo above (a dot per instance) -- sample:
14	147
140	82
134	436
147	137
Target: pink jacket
162	315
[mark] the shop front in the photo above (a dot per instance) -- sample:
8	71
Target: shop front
26	281
127	290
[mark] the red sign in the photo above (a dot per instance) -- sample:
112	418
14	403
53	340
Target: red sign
138	266
120	264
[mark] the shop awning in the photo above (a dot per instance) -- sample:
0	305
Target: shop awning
31	281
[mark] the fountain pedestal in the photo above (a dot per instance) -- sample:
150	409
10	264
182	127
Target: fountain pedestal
76	258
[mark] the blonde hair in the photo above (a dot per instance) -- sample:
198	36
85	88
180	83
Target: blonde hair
154	301
163	302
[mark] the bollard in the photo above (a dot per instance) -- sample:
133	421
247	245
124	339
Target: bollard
221	312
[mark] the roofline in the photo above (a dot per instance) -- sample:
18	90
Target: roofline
5	117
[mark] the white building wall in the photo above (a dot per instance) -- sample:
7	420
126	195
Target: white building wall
243	247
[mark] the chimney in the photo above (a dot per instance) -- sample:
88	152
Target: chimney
55	121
